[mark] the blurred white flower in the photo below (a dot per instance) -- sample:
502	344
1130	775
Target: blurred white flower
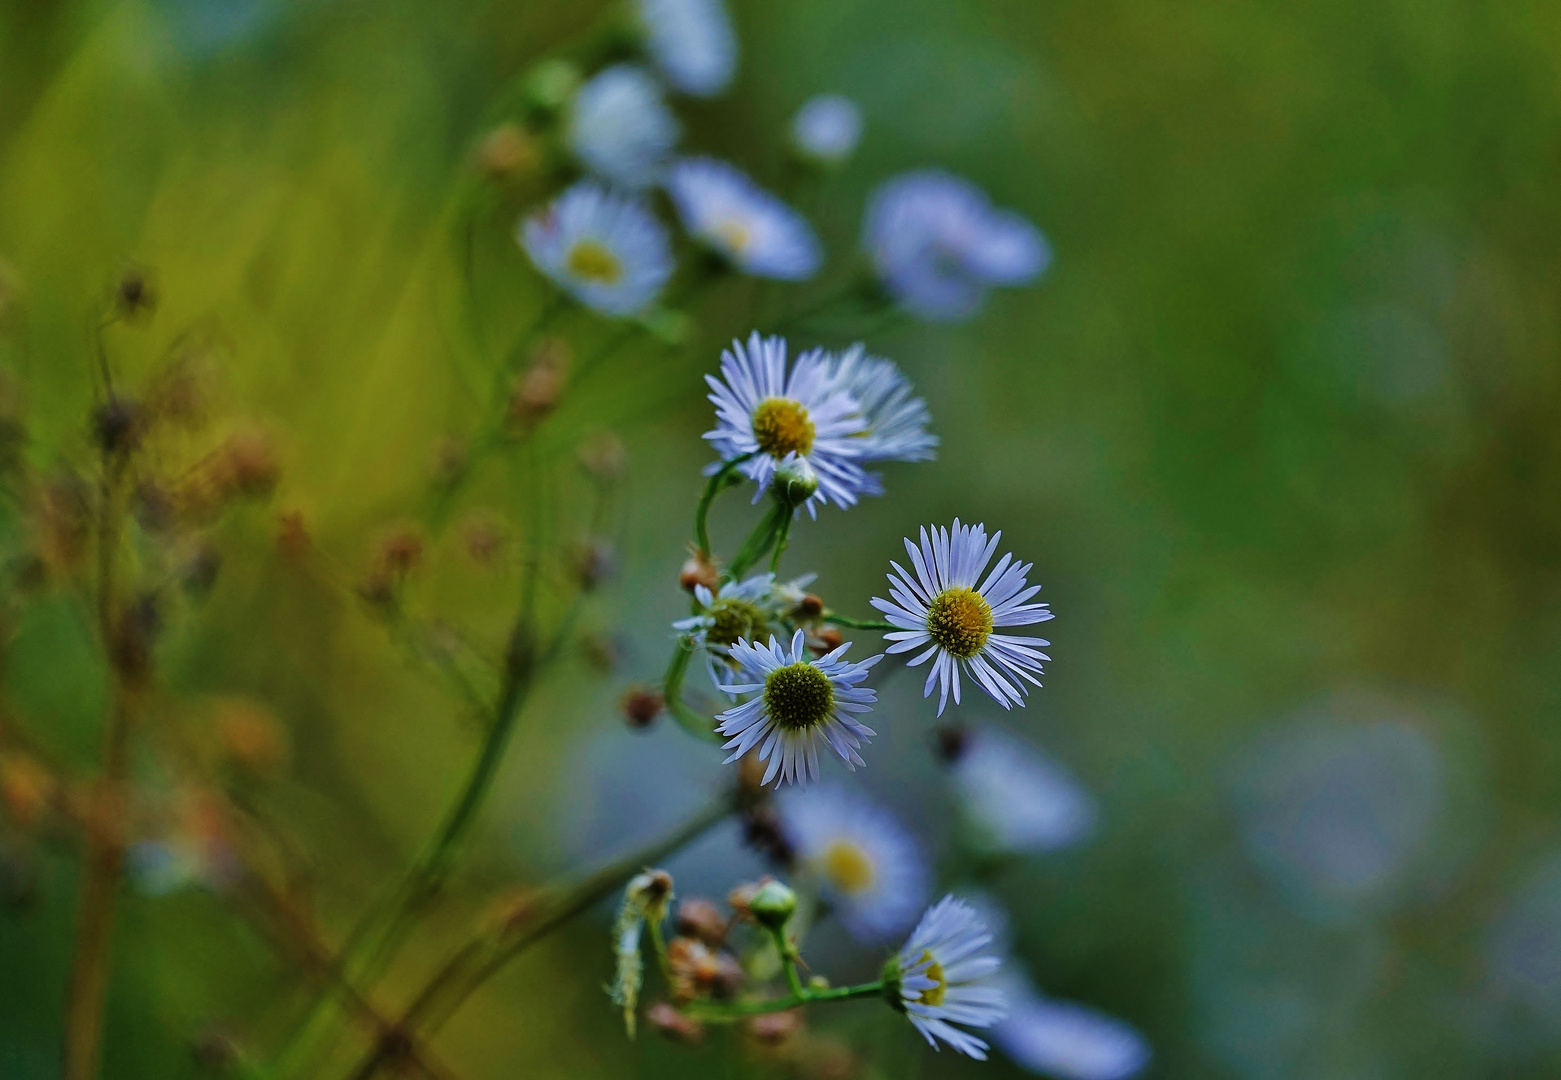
1063	1039
620	128
938	244
827	128
874	873
605	249
799	705
692	42
746	225
1013	797
939	973
896	421
764	410
943	608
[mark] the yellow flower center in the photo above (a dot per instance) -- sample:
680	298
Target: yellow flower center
798	696
933	995
848	868
960	621
781	426
734	619
733	234
592	261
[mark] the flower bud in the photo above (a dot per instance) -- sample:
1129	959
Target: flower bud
604	457
772	1029
826	129
134	294
292	537
551	85
508	153
773	905
701	919
952	741
673	1024
596	562
811	606
651	892
740	897
762	832
699	570
252	737
25	788
537	389
795	481
641	705
483	537
117	424
400	553
827	639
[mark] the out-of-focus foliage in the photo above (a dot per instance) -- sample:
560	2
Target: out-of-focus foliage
1279	429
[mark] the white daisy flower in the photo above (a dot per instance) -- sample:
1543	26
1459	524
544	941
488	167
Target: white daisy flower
799	705
620	128
742	611
896	421
1013	797
764	410
935	978
943	608
746	225
1063	1039
873	871
606	250
938	243
827	128
692	42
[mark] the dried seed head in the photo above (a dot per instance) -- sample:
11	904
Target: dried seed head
673	1024
641	705
292	537
701	919
699	571
952	742
604	456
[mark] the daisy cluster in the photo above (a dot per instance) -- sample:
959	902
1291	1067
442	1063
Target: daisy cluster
604	139
632	220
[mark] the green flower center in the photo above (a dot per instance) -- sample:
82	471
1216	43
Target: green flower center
592	261
798	696
933	995
781	426
734	619
960	621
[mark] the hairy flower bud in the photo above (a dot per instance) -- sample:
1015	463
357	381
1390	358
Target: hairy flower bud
508	153
537	389
699	570
773	1029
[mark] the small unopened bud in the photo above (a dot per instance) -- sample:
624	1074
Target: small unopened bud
673	1024
134	293
773	905
508	153
772	1029
483	538
292	537
596	561
199	572
551	85
538	388
26	788
742	896
826	129
641	705
248	463
701	919
604	457
953	739
811	606
818	983
762	832
252	736
827	639
117	425
795	481
699	571
400	553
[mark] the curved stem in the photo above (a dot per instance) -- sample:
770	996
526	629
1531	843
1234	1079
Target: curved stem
782	534
759	541
858	624
690	720
484	956
719	481
712	1013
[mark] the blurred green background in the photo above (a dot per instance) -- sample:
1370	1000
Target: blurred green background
1281	430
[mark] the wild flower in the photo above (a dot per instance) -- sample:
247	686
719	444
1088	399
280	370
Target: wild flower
619	127
691	42
741	222
826	129
607	250
936	977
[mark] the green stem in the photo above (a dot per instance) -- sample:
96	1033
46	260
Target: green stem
858	624
719	1014
788	956
758	541
483	957
690	720
719	481
782	534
